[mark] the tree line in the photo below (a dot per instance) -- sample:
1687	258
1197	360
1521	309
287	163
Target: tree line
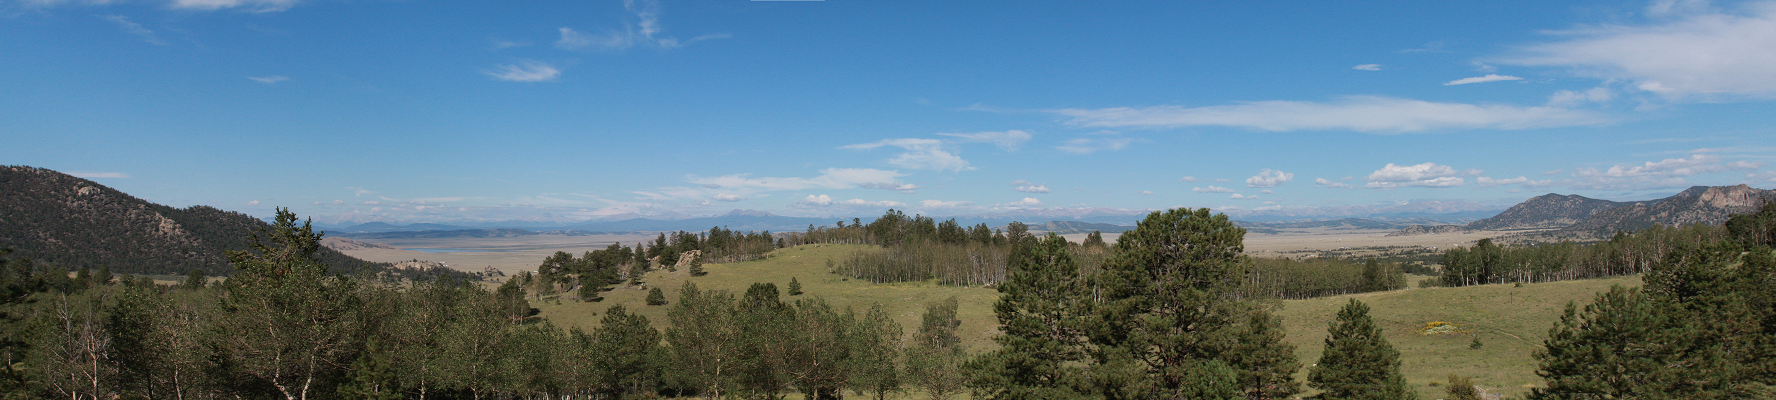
1164	318
284	326
1703	326
1624	254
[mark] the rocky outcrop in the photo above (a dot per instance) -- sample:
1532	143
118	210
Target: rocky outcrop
1708	205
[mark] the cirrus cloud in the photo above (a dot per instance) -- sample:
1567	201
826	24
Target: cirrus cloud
1687	52
926	154
1368	114
527	71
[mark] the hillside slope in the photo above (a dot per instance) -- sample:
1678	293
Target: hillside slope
1708	205
73	222
1546	211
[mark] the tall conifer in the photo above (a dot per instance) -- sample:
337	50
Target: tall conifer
1358	362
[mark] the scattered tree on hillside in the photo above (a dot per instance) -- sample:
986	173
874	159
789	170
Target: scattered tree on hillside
934	361
655	297
795	288
1263	361
1358	363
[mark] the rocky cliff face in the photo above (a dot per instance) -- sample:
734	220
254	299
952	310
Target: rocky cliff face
1710	205
1545	212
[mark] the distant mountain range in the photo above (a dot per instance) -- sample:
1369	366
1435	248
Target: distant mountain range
1574	214
72	222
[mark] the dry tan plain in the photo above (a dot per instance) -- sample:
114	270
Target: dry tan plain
508	254
522	253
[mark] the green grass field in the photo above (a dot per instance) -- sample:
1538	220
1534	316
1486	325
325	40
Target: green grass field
1510	321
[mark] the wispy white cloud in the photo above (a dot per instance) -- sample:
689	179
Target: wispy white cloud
1490	182
1689	50
1323	182
1764	177
269	80
729	197
1007	140
1025	203
1092	145
1432	47
830	178
1571	98
1482	79
926	154
1667	173
825	201
527	71
1368	67
134	29
1269	178
249	5
89	175
1211	189
498	44
1187	179
936	204
907	188
1237	196
642	28
1429	175
1033	189
1370	114
1145	192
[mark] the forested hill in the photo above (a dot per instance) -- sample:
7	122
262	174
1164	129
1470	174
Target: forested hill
1708	205
72	222
1546	211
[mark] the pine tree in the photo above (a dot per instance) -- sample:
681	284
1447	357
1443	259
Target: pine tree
795	288
373	375
934	361
195	280
1166	294
589	290
83	278
103	277
1623	345
655	297
625	349
697	266
1358	362
1041	315
1094	240
1263	361
302	316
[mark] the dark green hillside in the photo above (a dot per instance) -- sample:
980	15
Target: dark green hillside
53	217
1546	211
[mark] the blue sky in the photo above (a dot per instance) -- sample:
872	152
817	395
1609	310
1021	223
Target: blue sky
573	110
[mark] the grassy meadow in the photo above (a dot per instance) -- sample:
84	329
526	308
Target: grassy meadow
1510	321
